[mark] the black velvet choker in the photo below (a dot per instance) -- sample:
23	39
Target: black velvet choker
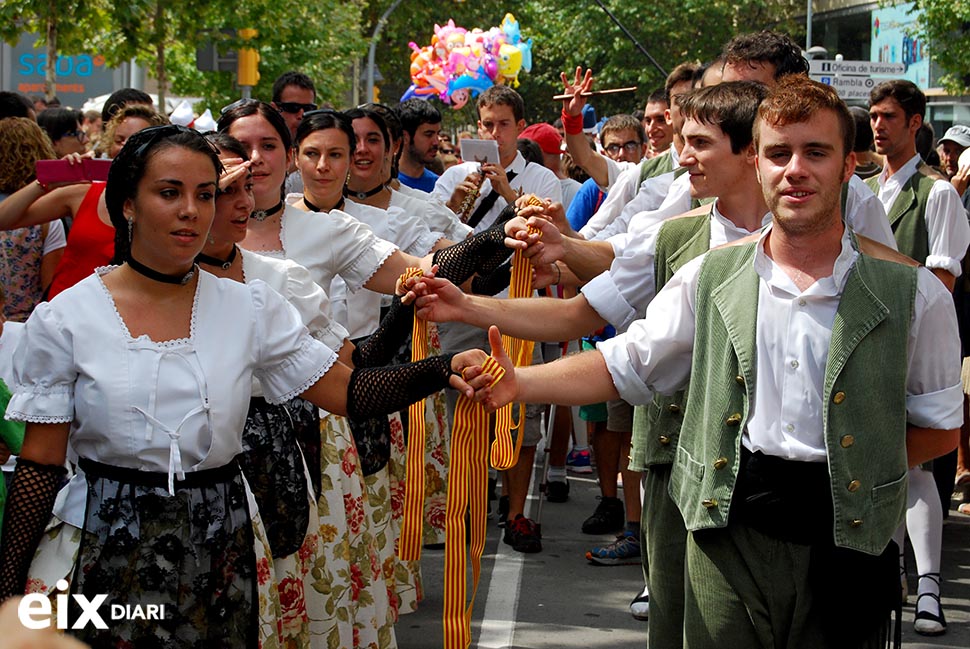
363	195
151	273
224	264
313	208
262	215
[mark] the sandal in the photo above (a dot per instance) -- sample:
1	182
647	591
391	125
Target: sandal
927	623
962	479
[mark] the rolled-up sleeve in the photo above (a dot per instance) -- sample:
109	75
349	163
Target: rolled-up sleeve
655	353
934	394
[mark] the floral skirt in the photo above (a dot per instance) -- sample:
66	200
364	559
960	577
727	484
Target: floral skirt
199	553
348	573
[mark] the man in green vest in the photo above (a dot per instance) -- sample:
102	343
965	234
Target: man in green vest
718	157
822	366
930	225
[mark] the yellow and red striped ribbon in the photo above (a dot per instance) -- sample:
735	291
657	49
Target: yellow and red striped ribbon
467	483
505	452
412	520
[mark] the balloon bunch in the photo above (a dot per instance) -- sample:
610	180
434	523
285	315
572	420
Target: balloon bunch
461	63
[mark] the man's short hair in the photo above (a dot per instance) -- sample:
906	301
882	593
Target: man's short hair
503	96
796	99
292	78
14	104
863	129
732	106
683	72
414	112
767	46
658	96
121	98
622	122
906	93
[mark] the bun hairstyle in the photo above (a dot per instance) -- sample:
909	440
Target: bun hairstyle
323	119
128	168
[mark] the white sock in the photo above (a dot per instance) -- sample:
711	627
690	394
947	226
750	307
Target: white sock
556	474
924	520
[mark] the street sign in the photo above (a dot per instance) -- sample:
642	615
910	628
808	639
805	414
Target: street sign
848	87
861	68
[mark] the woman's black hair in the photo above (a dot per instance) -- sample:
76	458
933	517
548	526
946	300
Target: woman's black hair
59	121
323	119
227	143
245	108
376	117
128	168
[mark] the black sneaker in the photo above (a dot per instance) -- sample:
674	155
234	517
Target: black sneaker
523	535
503	510
557	491
609	517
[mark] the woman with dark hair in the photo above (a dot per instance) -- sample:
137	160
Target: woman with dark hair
142	374
63	126
272	460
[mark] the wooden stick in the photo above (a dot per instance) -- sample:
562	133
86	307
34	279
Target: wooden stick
596	93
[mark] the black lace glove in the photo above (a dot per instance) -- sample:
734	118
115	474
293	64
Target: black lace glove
495	282
480	254
379	348
382	390
28	511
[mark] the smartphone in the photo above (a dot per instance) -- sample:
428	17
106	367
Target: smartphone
61	171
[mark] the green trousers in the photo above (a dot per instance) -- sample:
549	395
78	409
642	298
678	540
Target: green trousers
747	590
663	539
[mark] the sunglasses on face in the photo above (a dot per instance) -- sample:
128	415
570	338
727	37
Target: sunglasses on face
293	107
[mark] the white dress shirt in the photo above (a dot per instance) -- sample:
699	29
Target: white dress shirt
621	294
793	334
625	189
946	219
530	178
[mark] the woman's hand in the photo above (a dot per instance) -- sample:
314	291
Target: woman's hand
469	377
233	170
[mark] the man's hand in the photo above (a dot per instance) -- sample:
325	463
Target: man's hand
581	83
437	300
544	248
500	181
506	390
471	183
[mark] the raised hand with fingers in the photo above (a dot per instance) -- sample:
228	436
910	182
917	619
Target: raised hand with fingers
582	82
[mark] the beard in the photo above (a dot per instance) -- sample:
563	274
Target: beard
808	219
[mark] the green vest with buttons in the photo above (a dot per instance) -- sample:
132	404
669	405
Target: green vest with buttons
865	436
656	426
907	216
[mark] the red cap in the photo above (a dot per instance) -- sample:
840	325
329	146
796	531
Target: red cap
545	136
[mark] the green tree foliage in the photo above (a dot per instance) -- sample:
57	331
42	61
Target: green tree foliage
945	25
55	21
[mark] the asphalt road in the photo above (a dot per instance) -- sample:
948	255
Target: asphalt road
557	600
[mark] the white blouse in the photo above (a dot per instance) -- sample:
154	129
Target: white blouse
175	406
360	311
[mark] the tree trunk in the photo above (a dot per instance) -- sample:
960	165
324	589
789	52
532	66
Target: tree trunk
160	75
50	74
